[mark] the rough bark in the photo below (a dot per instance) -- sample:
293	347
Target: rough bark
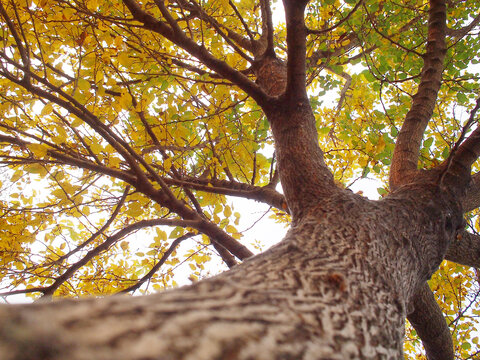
335	288
428	320
338	285
409	140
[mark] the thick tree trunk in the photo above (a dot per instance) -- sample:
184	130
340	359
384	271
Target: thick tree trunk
336	287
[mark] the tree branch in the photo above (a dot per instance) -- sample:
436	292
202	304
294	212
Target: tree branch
463	155
465	250
159	264
457	34
430	324
471	200
178	37
265	194
101	230
111	240
267	28
296	50
333	27
407	148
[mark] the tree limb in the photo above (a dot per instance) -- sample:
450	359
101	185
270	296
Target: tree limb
430	324
465	250
111	240
463	155
407	148
471	200
457	34
296	50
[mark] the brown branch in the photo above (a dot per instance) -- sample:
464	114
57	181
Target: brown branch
179	38
388	38
430	325
457	34
23	52
333	27
265	194
70	160
238	38
111	240
216	26
267	27
159	264
463	155
465	250
471	199
100	231
296	50
406	153
224	254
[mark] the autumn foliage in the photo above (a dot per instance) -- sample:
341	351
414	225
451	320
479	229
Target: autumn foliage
124	145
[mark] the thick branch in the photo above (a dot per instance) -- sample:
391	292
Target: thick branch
267	27
296	49
431	327
406	153
465	250
265	194
472	197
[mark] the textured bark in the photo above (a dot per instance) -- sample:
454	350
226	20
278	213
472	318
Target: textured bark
335	288
409	140
338	285
427	319
465	250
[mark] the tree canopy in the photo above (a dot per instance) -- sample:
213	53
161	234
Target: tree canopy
129	127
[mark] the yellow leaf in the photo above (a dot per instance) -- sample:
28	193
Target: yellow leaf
38	150
47	109
167	164
227	211
231	229
16	175
83	84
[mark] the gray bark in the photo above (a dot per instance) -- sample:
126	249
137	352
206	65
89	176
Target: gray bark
336	287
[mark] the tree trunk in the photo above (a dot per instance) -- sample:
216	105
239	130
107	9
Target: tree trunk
337	287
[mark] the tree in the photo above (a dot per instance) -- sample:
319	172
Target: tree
145	114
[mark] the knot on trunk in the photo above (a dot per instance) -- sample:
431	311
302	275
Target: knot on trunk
271	75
